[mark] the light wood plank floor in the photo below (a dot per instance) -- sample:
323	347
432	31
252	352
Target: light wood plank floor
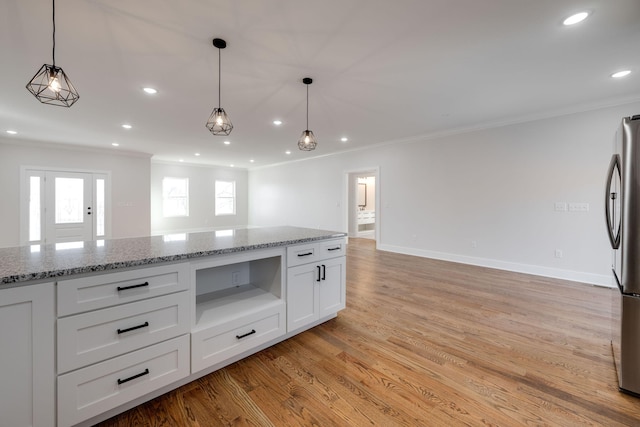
423	343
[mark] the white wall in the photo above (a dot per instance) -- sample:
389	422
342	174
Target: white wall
484	197
129	183
201	198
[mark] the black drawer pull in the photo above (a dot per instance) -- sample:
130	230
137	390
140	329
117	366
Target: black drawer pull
124	288
133	328
318	267
126	380
324	272
337	248
253	331
307	254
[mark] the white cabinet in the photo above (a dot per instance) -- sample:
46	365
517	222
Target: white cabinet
121	335
317	289
93	390
82	349
94	336
105	290
27	389
239	305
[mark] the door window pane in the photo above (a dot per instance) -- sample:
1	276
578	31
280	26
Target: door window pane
69	200
225	197
35	220
175	197
99	205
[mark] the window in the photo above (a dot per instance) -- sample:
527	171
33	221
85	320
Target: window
175	197
99	203
225	197
35	201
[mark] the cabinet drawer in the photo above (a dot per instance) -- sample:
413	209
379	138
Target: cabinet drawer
216	344
91	337
90	391
106	290
333	248
316	251
302	254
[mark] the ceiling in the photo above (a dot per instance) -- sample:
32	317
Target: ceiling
383	71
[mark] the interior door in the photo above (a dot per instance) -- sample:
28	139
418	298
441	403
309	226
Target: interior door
68	202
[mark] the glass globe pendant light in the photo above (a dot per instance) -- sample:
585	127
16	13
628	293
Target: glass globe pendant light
219	122
51	85
307	141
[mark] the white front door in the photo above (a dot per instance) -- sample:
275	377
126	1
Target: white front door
64	206
69	205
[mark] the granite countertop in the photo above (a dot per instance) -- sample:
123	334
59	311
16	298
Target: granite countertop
42	262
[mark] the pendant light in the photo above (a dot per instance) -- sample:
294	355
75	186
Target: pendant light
307	141
219	123
51	85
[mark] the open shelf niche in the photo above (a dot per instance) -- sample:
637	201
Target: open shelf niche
237	286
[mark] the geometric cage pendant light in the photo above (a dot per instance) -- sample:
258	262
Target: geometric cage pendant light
307	141
51	85
219	122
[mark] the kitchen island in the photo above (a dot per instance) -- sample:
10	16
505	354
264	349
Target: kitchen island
95	328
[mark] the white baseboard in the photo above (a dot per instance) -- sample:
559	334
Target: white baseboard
556	273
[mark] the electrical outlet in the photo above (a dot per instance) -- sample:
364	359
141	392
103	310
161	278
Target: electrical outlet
474	244
558	253
578	207
560	206
235	277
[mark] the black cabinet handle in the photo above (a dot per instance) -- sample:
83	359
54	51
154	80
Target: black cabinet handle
133	328
307	254
337	248
124	288
141	374
324	272
318	267
253	331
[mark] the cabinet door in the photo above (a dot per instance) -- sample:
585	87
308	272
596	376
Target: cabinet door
302	296
27	392
332	289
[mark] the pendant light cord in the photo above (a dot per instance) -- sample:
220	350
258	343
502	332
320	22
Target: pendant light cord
219	77
307	107
53	53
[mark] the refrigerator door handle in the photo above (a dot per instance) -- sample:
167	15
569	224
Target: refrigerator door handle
614	234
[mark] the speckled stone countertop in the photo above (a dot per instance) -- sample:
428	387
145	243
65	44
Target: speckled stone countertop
48	262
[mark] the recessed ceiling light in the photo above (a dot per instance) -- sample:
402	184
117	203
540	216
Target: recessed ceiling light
227	142
287	152
115	144
196	154
344	139
277	122
251	161
150	90
12	132
231	165
126	126
620	74
575	18
181	160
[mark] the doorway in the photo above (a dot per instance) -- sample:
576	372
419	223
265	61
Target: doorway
363	202
63	206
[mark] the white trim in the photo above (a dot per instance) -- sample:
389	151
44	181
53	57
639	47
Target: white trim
556	273
73	147
529	118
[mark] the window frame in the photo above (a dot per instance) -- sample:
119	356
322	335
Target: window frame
217	197
168	198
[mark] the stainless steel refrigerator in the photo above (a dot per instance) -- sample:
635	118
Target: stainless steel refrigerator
622	210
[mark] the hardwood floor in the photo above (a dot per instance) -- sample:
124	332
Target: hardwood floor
423	343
